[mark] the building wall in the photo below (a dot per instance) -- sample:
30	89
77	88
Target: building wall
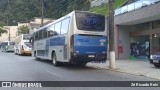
13	32
36	23
133	21
123	42
144	14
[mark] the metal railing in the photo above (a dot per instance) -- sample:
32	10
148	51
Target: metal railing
133	6
96	3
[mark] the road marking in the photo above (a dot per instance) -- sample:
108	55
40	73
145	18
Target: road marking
54	74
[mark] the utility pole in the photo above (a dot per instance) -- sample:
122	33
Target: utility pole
111	35
42	11
26	27
9	38
8	28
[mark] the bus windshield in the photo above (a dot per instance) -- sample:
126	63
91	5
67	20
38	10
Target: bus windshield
28	44
26	37
90	21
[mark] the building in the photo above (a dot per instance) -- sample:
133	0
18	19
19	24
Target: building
137	29
13	33
36	23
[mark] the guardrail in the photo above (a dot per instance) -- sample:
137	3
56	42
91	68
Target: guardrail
136	5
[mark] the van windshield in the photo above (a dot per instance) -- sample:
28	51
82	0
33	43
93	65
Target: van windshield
11	43
90	21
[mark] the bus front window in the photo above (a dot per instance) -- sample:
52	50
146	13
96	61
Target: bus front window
26	37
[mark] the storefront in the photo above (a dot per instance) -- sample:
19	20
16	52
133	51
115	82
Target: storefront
143	40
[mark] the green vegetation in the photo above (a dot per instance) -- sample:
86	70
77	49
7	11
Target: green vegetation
1	28
20	10
103	9
134	58
23	30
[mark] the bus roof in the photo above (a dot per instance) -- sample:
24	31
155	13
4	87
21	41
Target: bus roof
63	18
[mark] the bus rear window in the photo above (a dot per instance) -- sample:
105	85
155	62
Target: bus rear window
90	21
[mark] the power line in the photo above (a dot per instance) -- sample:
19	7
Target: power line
63	6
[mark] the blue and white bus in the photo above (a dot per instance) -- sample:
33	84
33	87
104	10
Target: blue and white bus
79	37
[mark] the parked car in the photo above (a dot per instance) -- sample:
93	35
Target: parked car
155	59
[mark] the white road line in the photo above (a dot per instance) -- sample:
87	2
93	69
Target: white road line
54	74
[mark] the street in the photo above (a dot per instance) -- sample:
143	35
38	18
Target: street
26	68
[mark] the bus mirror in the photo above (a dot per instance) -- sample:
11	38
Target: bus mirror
30	40
51	33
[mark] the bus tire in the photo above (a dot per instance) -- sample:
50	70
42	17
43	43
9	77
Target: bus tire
54	60
35	56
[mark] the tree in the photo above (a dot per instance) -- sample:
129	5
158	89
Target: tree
20	10
2	29
23	30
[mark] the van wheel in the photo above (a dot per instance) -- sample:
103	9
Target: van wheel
54	60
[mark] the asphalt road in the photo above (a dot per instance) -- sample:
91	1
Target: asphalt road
26	68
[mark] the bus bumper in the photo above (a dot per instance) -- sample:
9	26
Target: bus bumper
88	57
26	52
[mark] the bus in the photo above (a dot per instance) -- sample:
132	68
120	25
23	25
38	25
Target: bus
78	38
7	46
22	44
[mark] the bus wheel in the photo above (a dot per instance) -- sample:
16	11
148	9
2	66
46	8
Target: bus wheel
35	56
54	60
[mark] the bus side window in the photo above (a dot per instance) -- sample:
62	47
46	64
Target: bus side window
40	35
65	26
45	33
36	36
58	28
50	31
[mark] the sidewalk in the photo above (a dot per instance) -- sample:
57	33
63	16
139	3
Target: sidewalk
136	67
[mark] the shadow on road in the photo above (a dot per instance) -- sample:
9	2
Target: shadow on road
25	55
66	65
9	52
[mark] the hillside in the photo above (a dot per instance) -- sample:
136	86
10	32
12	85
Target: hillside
103	9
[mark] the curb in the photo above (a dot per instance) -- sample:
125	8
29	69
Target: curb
118	70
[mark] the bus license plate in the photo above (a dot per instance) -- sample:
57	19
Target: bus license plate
155	61
91	56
